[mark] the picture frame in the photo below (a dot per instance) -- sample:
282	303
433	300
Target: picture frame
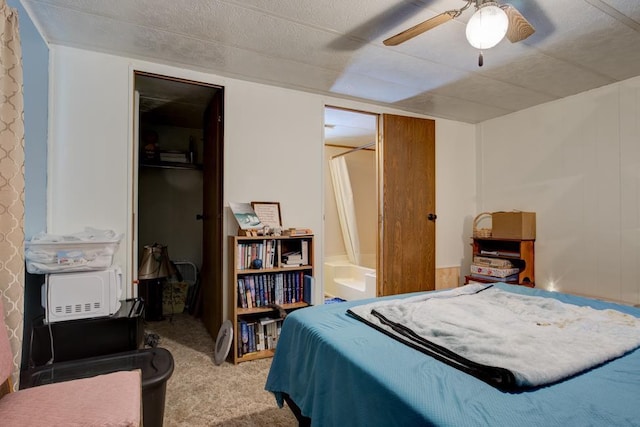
269	213
246	217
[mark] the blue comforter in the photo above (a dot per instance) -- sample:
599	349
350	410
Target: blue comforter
340	371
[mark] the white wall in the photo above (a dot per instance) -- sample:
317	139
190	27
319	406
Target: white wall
35	59
273	151
456	201
576	163
89	143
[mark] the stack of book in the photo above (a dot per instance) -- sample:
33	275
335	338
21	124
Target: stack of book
494	269
292	259
264	250
296	258
259	335
261	290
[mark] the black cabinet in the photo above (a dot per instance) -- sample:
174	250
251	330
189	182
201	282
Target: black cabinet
81	338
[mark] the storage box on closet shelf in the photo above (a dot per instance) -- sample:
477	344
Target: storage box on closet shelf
91	249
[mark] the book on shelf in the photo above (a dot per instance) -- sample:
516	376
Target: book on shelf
292	259
494	272
242	294
259	335
512	278
307	288
262	290
251	295
304	251
270	332
243	345
252	337
492	262
295	255
500	253
248	252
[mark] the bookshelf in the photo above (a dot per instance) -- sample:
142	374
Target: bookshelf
519	253
268	274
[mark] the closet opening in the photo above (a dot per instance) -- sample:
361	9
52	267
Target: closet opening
177	198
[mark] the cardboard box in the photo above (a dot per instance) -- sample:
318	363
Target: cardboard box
513	225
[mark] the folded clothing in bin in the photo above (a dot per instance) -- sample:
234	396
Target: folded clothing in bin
91	249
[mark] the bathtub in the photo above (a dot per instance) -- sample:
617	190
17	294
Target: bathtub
349	281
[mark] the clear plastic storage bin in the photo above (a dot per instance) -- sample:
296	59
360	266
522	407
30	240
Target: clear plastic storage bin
43	257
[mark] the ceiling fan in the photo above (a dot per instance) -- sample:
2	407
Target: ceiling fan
487	27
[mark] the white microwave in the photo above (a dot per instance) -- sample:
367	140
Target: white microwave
81	295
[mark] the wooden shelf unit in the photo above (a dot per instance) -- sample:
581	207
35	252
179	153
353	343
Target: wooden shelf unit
521	253
241	269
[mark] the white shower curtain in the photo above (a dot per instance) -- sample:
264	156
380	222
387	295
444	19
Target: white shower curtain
346	207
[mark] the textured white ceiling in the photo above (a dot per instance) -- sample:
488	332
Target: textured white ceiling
335	47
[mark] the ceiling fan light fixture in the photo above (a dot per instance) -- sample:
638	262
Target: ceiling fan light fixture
487	27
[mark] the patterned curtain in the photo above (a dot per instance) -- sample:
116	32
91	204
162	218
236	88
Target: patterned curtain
11	182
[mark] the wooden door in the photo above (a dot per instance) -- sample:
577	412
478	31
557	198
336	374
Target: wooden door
211	295
406	247
133	230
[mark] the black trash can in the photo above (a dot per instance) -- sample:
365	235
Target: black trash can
156	365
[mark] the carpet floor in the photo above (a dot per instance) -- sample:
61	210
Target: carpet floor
199	393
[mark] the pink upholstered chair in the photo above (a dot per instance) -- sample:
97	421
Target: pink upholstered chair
105	400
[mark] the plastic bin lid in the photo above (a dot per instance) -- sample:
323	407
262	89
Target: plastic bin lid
156	365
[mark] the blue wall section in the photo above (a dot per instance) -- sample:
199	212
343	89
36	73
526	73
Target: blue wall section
35	64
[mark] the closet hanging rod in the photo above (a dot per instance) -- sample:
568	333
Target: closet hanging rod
354	149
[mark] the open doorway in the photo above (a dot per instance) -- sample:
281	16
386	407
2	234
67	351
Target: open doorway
395	205
351	213
178	192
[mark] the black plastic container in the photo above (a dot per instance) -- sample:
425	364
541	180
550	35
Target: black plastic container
156	365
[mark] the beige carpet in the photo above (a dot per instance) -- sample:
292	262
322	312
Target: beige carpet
199	393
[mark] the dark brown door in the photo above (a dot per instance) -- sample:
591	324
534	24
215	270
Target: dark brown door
406	258
211	286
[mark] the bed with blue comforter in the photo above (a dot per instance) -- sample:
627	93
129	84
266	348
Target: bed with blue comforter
338	370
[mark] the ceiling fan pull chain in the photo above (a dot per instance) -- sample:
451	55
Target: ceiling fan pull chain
480	60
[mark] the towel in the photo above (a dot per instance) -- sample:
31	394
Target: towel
538	340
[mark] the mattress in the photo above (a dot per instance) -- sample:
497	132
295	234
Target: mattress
340	371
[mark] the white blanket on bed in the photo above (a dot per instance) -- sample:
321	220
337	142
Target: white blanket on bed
541	340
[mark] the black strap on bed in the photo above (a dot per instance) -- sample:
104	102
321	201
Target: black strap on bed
500	378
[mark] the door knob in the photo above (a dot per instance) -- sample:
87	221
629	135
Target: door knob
199	216
432	217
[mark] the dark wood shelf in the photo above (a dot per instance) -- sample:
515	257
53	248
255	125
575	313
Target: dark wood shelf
520	252
172	165
268	308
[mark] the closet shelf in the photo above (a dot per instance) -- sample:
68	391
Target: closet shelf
172	165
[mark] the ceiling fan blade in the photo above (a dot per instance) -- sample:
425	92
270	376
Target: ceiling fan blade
420	28
519	27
